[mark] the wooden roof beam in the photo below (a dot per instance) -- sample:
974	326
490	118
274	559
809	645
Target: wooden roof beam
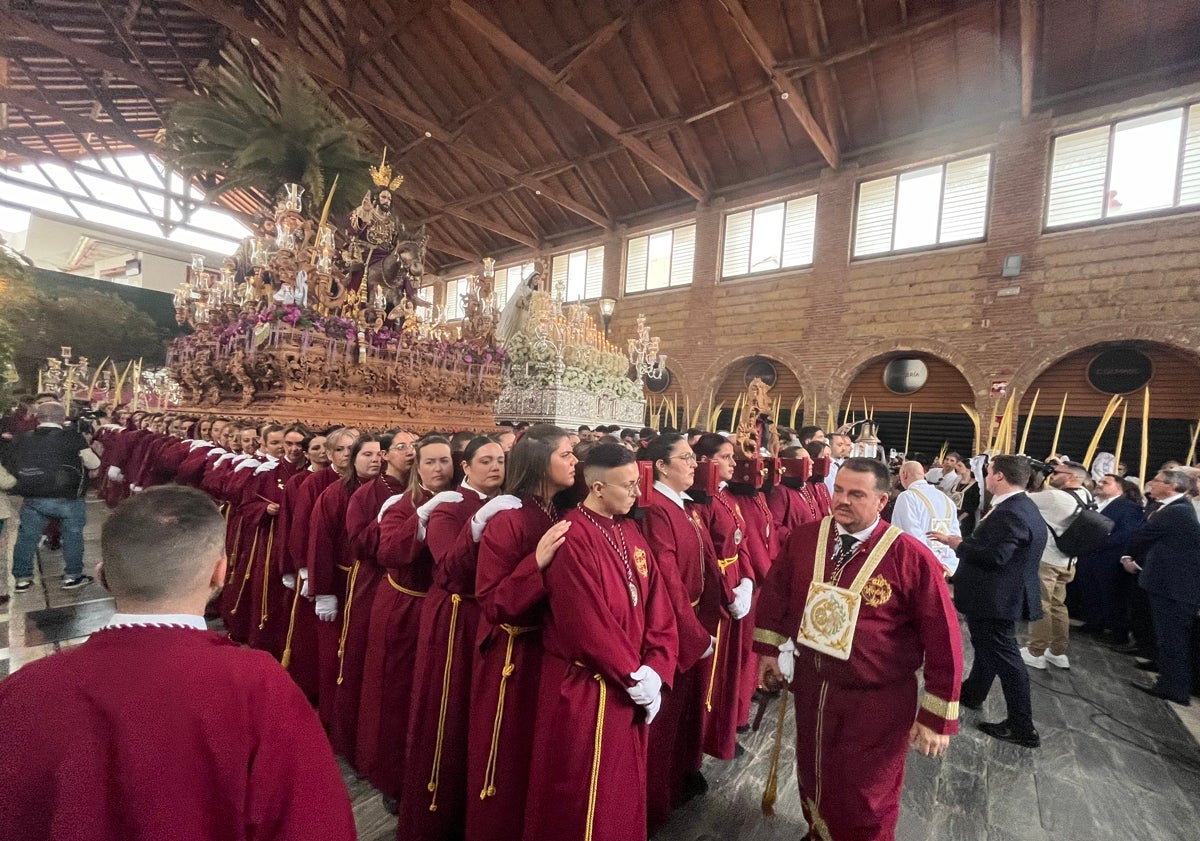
788	90
18	26
232	19
514	52
76	123
1029	43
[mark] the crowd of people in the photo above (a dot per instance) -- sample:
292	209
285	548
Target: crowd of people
539	633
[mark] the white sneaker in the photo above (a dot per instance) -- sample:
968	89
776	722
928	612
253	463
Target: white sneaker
1038	662
1059	660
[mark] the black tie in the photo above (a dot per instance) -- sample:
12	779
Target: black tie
846	550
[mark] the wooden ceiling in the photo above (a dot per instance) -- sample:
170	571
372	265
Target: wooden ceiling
521	123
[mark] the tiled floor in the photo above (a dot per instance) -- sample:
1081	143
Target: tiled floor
1113	764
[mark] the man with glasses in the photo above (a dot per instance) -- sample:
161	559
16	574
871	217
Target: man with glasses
1058	504
610	641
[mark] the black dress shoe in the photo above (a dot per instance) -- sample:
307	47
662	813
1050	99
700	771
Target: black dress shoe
743	729
1127	648
694	785
1155	692
1148	666
970	700
1004	732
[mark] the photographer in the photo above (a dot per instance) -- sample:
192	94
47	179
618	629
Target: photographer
1058	504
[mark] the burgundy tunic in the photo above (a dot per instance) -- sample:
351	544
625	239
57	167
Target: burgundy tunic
209	741
507	672
391	651
851	764
191	469
267	604
792	507
441	695
588	774
763	545
300	636
244	520
686	560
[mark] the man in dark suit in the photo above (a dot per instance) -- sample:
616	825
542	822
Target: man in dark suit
995	586
1103	603
1165	552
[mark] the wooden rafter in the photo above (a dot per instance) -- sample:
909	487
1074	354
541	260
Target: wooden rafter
518	55
788	90
76	123
1029	41
232	19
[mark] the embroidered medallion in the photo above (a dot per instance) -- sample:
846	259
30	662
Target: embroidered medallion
877	591
639	561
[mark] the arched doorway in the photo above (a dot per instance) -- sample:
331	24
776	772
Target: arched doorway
1090	376
785	388
891	385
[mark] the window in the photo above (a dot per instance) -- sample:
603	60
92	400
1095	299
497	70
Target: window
661	260
934	205
1139	165
508	281
770	238
453	310
579	275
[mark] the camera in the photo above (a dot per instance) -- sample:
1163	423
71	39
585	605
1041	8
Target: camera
1044	467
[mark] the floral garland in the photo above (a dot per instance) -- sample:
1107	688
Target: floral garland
534	363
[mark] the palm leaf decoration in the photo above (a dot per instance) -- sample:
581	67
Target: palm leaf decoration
251	138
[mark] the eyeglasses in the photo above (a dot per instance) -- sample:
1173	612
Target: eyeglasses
399	447
685	457
632	487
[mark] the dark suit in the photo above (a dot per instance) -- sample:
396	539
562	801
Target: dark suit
1103	601
996	585
1167	546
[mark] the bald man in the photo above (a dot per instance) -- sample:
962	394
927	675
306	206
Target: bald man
209	741
921	509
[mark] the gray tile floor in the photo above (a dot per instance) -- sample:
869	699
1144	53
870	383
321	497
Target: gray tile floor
1114	764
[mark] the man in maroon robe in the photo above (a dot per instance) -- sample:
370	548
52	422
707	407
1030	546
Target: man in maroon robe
854	682
210	741
610	641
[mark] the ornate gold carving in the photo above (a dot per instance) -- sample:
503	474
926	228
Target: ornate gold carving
639	561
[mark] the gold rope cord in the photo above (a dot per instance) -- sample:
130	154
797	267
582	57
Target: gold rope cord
489	774
712	674
346	617
246	577
262	621
595	778
286	660
455	600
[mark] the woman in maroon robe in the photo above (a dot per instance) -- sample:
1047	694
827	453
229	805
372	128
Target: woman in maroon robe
722	514
391	650
434	802
329	563
793	502
686	562
365	577
516	547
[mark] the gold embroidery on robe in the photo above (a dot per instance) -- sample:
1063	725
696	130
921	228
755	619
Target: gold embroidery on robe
877	591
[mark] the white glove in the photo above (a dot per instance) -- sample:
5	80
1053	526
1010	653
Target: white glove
653	707
787	660
304	582
289	581
741	598
712	647
115	474
425	510
137	489
647	688
326	608
504	502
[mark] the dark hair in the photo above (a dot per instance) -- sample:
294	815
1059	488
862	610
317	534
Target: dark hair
805	433
792	451
859	464
351	477
660	450
529	459
1016	470
693	431
154	542
608	456
709	444
297	427
816	449
474	446
1130	490
926	461
460	440
584	428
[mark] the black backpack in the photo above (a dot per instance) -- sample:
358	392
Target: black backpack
45	465
1087	531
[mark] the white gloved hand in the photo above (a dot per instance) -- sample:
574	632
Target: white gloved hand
326	608
504	502
137	489
712	648
304	582
648	685
289	581
741	598
437	499
115	474
653	707
787	660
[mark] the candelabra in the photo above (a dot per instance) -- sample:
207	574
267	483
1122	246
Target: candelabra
643	353
62	377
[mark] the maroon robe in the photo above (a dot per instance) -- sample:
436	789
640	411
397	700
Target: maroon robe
365	576
267	606
441	694
391	651
851	762
245	516
507	672
792	507
330	556
191	469
210	741
761	539
686	560
588	774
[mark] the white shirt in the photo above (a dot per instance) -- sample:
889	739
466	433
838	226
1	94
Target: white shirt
1101	504
834	466
923	508
467	485
860	536
187	620
671	494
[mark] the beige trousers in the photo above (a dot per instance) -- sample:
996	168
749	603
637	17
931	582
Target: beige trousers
1052	631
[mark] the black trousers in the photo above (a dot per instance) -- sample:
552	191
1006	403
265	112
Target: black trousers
1173	627
997	655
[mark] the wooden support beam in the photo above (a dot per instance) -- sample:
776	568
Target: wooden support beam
21	27
77	123
518	55
419	195
788	91
389	30
1029	45
232	19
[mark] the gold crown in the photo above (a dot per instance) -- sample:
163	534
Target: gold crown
382	174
